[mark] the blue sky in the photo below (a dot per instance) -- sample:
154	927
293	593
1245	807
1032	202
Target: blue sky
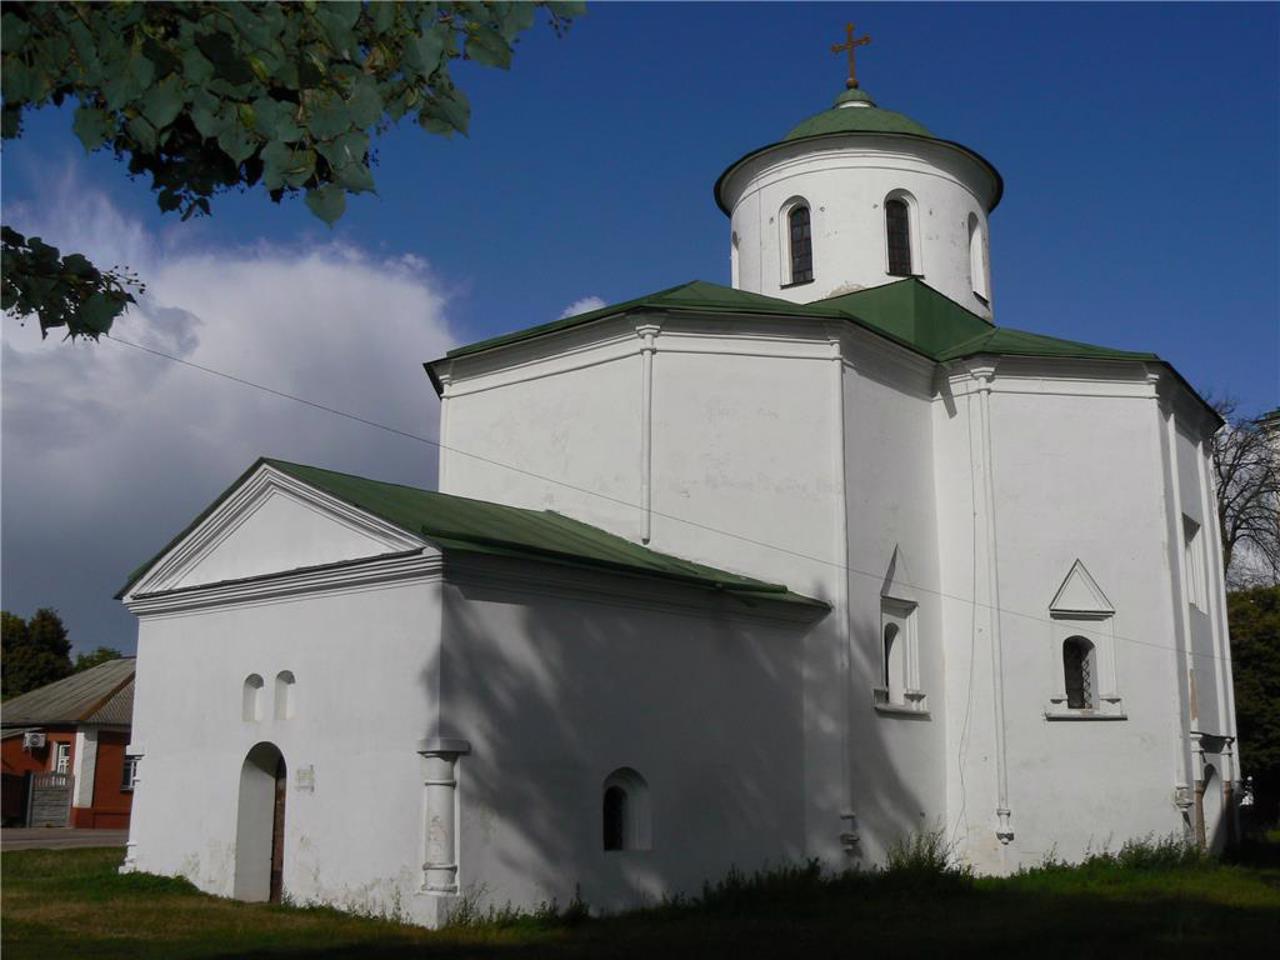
1138	143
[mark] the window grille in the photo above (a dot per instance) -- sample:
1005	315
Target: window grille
1077	667
898	233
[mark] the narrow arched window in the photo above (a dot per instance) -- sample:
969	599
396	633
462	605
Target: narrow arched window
284	695
897	226
250	704
978	259
801	244
1077	673
625	817
615	818
892	663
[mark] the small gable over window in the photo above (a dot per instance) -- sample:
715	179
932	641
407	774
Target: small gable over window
1086	685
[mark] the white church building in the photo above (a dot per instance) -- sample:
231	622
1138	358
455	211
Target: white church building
717	577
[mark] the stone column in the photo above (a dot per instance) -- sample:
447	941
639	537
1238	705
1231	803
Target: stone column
440	785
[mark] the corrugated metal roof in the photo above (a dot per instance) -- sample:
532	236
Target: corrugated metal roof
80	698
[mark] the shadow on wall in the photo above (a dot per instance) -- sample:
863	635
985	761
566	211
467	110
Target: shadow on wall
555	696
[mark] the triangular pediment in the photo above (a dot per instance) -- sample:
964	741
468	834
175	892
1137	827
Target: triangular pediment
898	583
271	523
1080	596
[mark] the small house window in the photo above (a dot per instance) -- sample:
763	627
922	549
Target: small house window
62	758
129	773
625	819
893	673
801	244
899	688
897	225
250	706
1078	673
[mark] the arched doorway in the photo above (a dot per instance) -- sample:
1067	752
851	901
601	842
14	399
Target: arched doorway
260	825
1215	829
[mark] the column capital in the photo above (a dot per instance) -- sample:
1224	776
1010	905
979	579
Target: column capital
443	746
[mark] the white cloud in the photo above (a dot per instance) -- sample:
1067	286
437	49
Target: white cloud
585	305
108	451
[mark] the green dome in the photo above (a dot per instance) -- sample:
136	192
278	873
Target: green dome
856	112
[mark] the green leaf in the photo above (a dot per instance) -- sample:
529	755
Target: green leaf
237	143
328	202
422	53
365	103
487	47
274	119
208	116
98	312
163	102
93	126
143	132
327	116
450	106
345	150
357	178
196	67
286	166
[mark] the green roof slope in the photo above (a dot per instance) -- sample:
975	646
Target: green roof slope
907	311
692	297
478	526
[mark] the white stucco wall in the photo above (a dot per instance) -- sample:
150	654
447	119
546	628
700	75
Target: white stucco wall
365	663
1076	456
845	180
555	685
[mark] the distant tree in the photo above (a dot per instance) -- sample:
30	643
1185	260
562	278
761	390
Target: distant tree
1246	456
35	651
205	97
1254	619
101	655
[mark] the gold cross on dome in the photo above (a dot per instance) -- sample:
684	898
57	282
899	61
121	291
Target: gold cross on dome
850	44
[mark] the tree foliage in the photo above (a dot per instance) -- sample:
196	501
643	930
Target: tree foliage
206	97
101	655
35	651
1254	619
1246	456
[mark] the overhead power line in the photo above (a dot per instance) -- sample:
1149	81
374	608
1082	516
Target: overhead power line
429	441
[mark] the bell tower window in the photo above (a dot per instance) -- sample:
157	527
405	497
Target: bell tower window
801	245
897	226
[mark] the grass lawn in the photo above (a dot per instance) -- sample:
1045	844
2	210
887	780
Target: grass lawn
71	903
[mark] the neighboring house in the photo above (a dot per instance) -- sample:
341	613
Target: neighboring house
717	577
69	737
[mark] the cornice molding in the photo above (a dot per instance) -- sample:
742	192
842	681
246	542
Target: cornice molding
618	589
362	574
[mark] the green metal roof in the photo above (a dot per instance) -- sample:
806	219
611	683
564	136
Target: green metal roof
101	694
907	311
861	119
480	527
692	297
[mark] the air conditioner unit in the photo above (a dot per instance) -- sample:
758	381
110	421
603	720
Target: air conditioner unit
32	740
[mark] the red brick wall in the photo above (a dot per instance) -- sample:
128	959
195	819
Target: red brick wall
110	804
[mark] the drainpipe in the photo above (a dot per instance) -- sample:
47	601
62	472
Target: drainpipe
648	333
985	374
